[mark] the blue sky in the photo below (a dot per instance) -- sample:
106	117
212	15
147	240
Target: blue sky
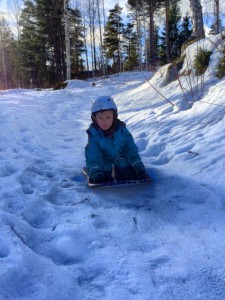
5	4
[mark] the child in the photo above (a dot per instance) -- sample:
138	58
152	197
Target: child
110	143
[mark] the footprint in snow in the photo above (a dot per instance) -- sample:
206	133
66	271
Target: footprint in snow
4	249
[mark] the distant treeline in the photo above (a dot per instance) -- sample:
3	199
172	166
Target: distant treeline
56	41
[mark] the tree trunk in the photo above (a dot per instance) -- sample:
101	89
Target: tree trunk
102	64
151	33
16	11
94	36
85	38
145	37
138	24
4	64
197	19
217	12
67	37
168	47
91	39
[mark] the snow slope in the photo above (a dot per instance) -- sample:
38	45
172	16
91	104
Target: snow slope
62	240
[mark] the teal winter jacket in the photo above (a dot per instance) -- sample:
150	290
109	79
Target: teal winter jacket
104	150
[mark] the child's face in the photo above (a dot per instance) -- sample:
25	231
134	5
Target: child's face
104	119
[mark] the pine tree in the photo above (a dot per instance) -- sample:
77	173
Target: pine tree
156	48
174	16
174	19
112	41
77	44
214	29
32	46
50	30
130	47
42	42
146	10
185	32
7	45
153	5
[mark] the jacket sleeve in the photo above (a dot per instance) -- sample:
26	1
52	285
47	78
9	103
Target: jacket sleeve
94	158
132	156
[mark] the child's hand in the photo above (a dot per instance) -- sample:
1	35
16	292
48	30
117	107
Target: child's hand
97	177
141	174
140	171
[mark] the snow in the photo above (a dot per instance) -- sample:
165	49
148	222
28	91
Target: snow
162	241
76	83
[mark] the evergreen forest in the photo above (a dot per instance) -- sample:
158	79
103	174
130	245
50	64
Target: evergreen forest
56	40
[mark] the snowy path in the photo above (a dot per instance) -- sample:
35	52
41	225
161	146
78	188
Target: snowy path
62	240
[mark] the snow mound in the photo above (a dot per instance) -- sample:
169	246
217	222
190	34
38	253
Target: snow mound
76	83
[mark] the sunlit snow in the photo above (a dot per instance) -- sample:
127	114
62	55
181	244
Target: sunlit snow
160	241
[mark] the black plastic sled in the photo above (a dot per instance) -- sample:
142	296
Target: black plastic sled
115	182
